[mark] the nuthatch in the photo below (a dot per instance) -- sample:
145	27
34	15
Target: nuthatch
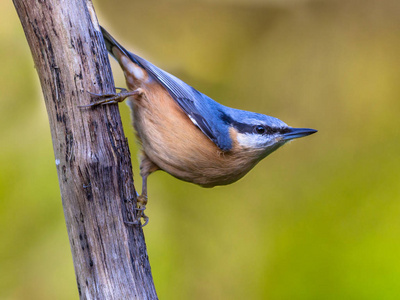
186	133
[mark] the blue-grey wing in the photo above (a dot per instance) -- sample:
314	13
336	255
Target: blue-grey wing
204	112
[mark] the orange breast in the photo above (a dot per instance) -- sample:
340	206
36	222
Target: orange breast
174	143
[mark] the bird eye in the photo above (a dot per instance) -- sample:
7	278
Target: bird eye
259	129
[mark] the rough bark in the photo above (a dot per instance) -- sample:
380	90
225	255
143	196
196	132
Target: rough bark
91	151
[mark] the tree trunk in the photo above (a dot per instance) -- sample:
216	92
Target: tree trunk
91	152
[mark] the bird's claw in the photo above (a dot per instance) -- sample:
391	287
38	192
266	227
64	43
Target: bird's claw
141	206
104	99
138	221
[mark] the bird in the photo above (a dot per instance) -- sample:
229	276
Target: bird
186	133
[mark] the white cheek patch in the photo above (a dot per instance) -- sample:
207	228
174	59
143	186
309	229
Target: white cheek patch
251	140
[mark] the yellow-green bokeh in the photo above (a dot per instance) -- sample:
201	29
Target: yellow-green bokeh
318	219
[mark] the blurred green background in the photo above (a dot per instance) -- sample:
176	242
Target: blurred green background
318	219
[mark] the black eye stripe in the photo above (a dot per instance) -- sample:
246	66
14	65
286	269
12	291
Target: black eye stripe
246	128
284	130
259	129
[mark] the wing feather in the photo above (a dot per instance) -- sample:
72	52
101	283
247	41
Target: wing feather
204	112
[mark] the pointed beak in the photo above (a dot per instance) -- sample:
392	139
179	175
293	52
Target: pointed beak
295	133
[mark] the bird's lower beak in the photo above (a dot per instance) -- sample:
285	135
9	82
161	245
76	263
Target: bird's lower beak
295	133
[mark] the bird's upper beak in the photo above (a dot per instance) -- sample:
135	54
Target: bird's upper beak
295	133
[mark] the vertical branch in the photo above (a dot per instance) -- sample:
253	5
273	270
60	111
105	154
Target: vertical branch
91	151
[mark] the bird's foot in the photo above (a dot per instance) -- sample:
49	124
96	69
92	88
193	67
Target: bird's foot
140	215
104	99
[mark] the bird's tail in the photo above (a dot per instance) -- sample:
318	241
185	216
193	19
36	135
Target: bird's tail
111	43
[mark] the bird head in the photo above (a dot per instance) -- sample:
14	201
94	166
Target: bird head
261	133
